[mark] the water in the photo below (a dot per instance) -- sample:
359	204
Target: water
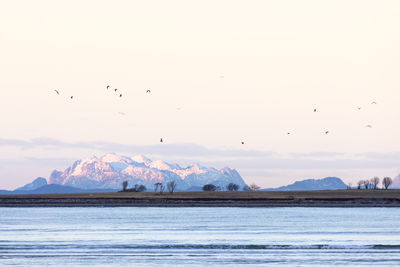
199	236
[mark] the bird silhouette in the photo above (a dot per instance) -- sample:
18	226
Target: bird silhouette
148	91
368	126
120	95
315	110
288	133
72	96
115	90
242	143
359	108
108	87
161	140
57	92
374	103
326	132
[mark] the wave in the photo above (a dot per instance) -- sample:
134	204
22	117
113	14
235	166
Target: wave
201	247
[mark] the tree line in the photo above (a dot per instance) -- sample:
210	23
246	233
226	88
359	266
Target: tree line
230	187
373	183
171	186
158	187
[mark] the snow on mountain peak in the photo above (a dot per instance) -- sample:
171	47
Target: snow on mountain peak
161	165
141	159
111	157
110	170
228	171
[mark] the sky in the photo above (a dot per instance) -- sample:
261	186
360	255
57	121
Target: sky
220	72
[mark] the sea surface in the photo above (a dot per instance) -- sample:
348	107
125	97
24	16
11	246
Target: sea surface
148	236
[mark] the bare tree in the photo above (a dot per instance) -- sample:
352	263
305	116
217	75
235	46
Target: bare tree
162	188
349	186
366	184
171	186
375	182
386	182
156	186
359	184
232	187
254	187
124	185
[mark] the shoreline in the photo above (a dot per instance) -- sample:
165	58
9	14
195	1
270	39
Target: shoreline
333	198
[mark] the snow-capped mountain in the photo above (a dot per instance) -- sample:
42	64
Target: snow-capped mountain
110	170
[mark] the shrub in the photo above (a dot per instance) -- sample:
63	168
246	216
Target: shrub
232	187
246	188
209	187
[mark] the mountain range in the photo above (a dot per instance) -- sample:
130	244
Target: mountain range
110	170
328	183
106	174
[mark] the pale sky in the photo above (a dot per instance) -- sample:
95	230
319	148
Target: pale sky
220	72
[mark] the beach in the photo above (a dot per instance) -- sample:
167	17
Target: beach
331	198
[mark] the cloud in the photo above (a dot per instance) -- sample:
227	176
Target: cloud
381	156
178	149
253	159
318	154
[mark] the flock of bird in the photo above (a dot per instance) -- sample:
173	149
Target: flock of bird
242	142
359	108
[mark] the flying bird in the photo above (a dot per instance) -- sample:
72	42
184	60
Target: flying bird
368	126
359	108
115	90
161	140
373	103
72	96
57	92
148	91
288	133
120	95
108	87
326	132
242	143
315	110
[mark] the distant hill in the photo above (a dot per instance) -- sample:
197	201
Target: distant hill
54	189
37	183
396	182
328	183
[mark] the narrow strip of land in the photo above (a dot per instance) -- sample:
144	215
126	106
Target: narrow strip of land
332	198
